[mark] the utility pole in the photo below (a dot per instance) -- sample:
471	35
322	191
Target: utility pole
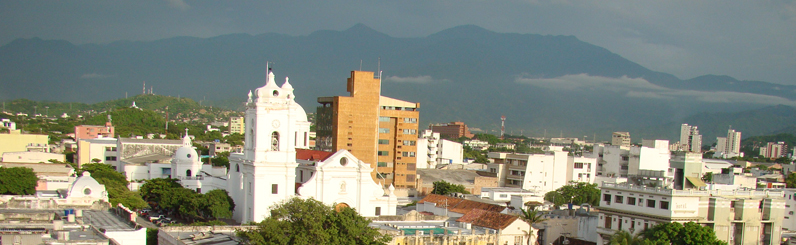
502	126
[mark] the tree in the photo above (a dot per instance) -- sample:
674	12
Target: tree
790	181
116	185
18	181
531	216
708	177
625	238
444	188
686	234
221	159
308	221
576	193
219	204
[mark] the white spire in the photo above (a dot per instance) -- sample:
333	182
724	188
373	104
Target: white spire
186	140
286	85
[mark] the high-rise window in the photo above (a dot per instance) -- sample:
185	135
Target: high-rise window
274	189
384	130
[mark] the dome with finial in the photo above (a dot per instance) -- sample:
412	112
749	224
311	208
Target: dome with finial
186	153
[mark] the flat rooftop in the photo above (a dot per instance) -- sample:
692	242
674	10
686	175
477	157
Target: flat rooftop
106	220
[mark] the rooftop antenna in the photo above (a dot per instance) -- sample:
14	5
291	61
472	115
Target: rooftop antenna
378	67
143	91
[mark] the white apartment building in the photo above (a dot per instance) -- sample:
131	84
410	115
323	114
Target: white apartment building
774	150
541	172
621	139
476	144
690	139
10	125
789	221
651	155
612	161
737	217
432	150
730	146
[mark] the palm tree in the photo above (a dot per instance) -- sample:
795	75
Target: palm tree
531	216
625	238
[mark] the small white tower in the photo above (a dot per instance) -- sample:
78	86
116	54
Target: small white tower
185	164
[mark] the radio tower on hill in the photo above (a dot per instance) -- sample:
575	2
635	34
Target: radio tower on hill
502	126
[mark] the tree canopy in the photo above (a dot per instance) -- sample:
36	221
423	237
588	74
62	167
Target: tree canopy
116	185
669	233
444	188
18	181
308	221
169	195
576	193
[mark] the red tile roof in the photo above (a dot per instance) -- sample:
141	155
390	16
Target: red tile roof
312	155
488	219
460	205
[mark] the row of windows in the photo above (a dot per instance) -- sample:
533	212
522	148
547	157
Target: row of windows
632	201
408	153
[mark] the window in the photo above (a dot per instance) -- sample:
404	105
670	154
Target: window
110	158
411	166
274	189
607	198
410	178
409	153
305	138
384	119
237	167
410	142
384	153
641	201
87	191
188	173
579	165
110	148
631	201
165	171
410	120
381	164
650	203
378	211
410	131
619	199
664	205
384	142
504	195
275	141
384	130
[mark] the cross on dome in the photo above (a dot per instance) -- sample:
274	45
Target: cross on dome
186	140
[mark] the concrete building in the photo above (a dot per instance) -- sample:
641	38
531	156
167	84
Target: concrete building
8	124
433	150
476	144
103	149
541	172
730	146
452	130
579	225
379	130
422	228
269	171
789	221
237	125
141	151
737	217
189	235
94	131
473	181
217	147
621	139
690	139
774	150
651	155
16	141
32	157
612	161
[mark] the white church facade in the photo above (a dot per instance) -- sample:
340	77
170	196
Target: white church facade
268	171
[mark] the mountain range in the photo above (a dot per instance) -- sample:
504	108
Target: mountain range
544	84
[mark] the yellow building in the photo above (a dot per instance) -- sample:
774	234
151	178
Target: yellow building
378	130
15	141
236	125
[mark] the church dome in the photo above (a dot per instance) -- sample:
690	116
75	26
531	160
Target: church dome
186	153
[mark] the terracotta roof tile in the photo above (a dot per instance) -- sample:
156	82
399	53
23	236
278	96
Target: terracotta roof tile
460	205
488	219
312	155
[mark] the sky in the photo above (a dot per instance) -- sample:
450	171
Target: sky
748	40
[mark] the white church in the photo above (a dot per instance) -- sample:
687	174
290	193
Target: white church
268	171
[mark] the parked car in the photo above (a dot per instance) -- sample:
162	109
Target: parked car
154	218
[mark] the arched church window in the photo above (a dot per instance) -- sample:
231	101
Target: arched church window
188	173
237	167
275	141
251	137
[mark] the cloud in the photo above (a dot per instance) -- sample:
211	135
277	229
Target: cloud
417	79
94	76
641	88
178	4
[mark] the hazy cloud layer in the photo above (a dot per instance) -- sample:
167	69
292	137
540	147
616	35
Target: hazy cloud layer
749	40
641	88
94	76
417	79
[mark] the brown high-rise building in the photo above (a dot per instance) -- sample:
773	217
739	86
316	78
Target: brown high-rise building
378	130
452	130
